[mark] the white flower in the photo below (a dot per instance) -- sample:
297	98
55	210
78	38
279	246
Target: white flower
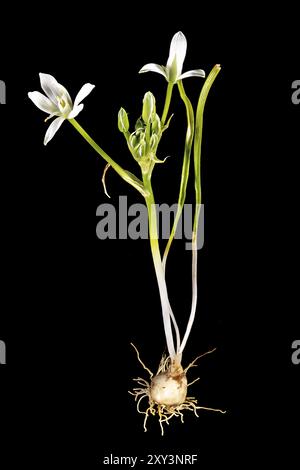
173	71
57	102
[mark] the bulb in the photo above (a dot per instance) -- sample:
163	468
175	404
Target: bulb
169	388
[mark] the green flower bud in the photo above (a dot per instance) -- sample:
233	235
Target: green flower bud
140	133
133	141
156	125
139	124
123	122
153	142
149	108
141	150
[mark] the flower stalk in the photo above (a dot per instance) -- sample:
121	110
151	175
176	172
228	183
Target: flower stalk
167	312
125	175
167	103
185	167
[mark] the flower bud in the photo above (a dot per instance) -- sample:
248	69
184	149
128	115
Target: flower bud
140	133
123	122
139	125
156	125
153	142
133	141
141	150
149	108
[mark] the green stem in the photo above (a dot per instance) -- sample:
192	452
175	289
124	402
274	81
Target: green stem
167	103
185	166
159	271
126	175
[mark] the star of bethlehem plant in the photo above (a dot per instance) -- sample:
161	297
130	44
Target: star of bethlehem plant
166	391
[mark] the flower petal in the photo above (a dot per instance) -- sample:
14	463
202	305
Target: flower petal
192	73
177	52
52	129
53	89
83	93
42	102
154	68
75	111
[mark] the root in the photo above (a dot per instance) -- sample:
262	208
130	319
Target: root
141	362
192	364
165	412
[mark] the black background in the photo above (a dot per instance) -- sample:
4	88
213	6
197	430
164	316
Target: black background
71	304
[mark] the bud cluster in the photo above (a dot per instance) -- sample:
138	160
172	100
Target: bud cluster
143	142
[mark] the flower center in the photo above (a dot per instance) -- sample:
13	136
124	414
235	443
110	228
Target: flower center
63	105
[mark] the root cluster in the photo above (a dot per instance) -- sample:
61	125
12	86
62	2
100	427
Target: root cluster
165	412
